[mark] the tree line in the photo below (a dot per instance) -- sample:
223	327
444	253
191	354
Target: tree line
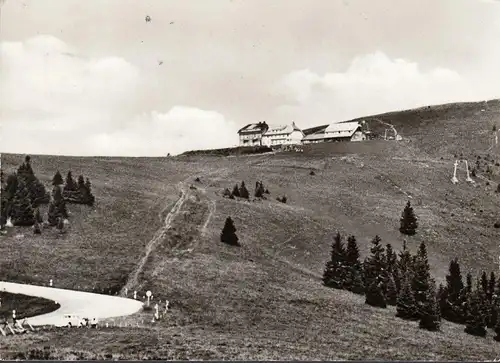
23	193
404	280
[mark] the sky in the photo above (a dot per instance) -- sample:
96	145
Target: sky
94	78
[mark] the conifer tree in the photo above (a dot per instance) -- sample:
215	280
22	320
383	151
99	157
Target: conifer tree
374	294
57	179
244	191
36	189
491	285
375	274
259	190
451	306
408	222
406	307
390	290
228	234
421	277
89	197
390	258
335	273
70	183
405	262
497	321
484	283
476	316
11	186
22	211
57	207
354	281
468	286
236	191
81	182
430	318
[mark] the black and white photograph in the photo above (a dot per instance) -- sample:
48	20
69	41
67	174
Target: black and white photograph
250	180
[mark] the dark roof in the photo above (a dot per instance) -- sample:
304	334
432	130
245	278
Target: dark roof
314	130
259	126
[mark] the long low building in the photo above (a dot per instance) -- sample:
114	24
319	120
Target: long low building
261	133
342	131
282	135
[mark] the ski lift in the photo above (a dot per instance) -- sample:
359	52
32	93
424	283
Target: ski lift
148	19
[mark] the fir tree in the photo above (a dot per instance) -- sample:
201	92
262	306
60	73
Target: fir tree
390	258
484	283
70	183
404	266
57	207
497	321
244	191
408	221
22	210
236	191
89	197
390	290
430	318
421	277
356	284
493	316
491	285
228	234
335	274
375	295
406	307
476	317
57	179
375	275
451	307
259	190
374	266
354	281
11	186
468	287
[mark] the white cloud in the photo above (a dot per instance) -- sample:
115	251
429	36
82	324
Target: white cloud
373	83
55	101
178	130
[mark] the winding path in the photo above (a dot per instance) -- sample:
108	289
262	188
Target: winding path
133	280
84	304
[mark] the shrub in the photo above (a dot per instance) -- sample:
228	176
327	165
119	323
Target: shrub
312	172
497	225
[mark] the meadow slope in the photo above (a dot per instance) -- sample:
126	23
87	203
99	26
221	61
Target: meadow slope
264	300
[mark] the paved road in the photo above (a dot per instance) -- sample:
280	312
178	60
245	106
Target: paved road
84	304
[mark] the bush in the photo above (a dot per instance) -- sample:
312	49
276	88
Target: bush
282	199
312	172
497	225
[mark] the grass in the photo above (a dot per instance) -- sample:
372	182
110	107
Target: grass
264	300
25	306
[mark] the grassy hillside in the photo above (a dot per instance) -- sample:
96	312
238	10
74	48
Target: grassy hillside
25	306
264	300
